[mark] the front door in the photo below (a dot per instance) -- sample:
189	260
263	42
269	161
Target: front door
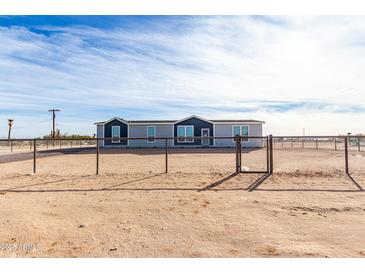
205	133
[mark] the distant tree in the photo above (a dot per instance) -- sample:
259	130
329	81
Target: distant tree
67	136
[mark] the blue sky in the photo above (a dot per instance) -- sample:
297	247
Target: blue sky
292	72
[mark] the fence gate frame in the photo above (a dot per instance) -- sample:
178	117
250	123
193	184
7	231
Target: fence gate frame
269	155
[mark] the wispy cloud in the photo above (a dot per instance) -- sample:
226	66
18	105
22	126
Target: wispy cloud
270	68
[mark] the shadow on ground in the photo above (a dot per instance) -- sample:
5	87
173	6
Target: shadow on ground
255	185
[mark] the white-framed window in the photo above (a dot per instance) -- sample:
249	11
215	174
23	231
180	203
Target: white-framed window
115	134
183	134
240	130
151	134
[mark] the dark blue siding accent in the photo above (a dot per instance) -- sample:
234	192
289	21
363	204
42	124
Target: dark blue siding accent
108	132
198	125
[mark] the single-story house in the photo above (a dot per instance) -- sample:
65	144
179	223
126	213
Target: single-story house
192	126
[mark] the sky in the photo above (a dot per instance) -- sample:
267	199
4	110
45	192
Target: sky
292	72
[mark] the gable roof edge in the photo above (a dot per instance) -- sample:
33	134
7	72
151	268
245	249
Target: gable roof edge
112	119
193	116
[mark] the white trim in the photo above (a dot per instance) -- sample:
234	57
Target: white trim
100	136
201	135
248	132
115	141
172	123
173	135
185	137
103	142
193	116
213	134
234	122
169	123
154	140
112	119
151	123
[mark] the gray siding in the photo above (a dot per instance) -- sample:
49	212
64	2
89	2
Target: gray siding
140	131
223	130
100	133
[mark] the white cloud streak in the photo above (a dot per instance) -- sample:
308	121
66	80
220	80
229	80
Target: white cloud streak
218	67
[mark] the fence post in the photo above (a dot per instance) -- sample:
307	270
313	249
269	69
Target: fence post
11	145
316	143
271	155
235	139
302	143
30	145
34	155
97	156
166	157
60	143
267	155
282	143
47	144
292	143
71	143
358	144
346	155
335	143
238	154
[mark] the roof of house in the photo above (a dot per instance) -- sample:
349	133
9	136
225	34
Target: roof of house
152	121
175	121
237	121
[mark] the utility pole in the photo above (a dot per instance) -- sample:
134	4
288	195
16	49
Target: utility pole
54	121
10	124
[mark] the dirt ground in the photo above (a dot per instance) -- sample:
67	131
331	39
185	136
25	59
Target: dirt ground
6	148
307	208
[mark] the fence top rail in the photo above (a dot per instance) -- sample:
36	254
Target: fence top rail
131	138
177	138
319	137
40	139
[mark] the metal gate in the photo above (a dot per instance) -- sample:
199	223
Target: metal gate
266	143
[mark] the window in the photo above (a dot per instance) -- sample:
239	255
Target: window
244	133
151	134
240	131
181	133
115	134
236	131
189	133
185	131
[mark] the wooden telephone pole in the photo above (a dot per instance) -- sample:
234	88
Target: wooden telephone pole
54	121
